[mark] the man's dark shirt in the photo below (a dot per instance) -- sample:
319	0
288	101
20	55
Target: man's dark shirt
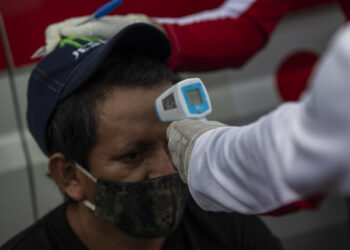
199	230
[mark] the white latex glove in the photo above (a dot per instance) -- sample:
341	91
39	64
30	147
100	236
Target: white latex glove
182	135
104	28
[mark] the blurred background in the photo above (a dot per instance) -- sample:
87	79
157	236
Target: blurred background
276	74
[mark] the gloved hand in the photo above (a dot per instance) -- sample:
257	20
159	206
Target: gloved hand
104	28
182	135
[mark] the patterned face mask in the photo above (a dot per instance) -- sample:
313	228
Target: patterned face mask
146	209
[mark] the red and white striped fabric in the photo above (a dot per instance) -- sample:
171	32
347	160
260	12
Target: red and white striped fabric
206	34
227	36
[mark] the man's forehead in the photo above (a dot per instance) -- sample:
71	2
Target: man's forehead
129	114
125	137
132	100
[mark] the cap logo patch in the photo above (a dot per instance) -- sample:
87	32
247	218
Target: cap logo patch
83	44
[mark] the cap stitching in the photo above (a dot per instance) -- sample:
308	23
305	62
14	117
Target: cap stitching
45	83
46	75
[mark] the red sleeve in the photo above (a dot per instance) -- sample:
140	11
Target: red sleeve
345	4
228	42
305	204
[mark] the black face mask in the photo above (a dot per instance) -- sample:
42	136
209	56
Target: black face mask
145	209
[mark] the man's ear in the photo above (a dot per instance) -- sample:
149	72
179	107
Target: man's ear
65	175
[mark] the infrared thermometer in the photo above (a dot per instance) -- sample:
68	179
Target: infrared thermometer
187	99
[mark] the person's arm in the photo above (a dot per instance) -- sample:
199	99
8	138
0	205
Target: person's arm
299	150
227	36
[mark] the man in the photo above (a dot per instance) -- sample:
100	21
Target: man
90	108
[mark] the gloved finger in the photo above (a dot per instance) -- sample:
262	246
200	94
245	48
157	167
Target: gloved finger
182	136
52	37
53	32
192	128
83	30
104	28
177	152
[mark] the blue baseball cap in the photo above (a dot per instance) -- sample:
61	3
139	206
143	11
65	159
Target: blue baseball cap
74	61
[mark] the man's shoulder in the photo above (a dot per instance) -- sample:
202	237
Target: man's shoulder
229	230
36	236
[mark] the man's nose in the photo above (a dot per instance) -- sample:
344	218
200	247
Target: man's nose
161	165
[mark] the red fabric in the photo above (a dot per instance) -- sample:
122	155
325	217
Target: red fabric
310	3
161	8
26	22
293	74
223	44
306	204
345	4
226	42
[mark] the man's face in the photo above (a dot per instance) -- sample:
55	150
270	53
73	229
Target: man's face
131	141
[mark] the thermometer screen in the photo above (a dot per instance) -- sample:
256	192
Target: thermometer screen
194	96
169	102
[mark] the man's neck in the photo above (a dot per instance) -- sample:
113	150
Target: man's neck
99	235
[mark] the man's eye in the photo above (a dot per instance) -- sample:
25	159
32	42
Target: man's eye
132	158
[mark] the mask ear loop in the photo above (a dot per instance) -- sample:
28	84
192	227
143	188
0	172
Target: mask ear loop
87	174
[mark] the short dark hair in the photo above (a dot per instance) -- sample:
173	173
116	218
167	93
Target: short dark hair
72	128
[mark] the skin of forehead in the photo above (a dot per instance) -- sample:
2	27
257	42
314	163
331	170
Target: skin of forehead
130	108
